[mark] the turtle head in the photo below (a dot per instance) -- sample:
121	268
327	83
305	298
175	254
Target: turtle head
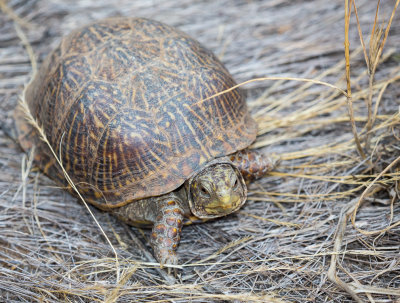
217	190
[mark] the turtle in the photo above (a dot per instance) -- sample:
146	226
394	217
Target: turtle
128	105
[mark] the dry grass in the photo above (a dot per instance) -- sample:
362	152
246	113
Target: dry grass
323	227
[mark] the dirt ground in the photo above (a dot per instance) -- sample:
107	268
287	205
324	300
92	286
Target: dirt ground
294	240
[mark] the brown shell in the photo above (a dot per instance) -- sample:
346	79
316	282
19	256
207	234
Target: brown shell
122	101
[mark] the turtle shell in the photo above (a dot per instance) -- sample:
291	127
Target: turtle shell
124	103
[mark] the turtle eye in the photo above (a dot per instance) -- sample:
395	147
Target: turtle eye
204	191
236	184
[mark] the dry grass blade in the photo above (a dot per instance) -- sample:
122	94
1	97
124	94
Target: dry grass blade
276	79
226	247
375	52
43	137
25	108
341	228
6	9
367	61
362	197
347	15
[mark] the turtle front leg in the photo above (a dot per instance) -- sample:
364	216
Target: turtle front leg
165	213
252	164
167	228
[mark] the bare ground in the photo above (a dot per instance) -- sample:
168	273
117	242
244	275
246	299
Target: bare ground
294	240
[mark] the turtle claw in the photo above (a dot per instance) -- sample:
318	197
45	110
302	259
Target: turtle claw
169	259
173	271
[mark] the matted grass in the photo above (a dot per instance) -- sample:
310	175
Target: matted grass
323	226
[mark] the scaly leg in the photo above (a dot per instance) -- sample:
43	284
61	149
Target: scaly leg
167	229
166	214
252	164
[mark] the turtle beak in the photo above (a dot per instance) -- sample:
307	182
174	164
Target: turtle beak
228	201
223	204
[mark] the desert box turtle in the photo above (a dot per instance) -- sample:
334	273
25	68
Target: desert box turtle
125	103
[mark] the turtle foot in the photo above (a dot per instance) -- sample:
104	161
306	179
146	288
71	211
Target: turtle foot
253	164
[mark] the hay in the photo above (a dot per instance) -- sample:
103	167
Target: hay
298	238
